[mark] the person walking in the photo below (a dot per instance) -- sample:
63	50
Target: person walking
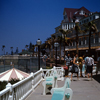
80	60
89	63
68	61
98	64
75	65
84	65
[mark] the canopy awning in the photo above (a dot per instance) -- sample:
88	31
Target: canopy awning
13	74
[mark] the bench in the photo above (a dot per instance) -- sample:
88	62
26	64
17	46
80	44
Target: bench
63	93
60	72
50	81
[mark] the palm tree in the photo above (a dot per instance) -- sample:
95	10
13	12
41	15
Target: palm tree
53	40
16	50
11	50
60	42
43	47
64	34
36	49
3	46
33	47
90	27
78	30
49	45
30	47
26	46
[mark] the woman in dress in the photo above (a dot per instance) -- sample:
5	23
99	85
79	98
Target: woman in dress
75	67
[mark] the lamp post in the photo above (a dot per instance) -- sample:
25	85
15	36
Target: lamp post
56	44
38	42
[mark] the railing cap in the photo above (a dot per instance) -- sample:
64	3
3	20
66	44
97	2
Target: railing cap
41	69
9	86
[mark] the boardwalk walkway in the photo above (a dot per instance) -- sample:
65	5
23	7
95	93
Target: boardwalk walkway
82	90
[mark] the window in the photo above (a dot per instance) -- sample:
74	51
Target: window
68	26
65	16
92	39
96	38
79	41
84	21
83	40
87	40
73	20
93	17
90	18
87	20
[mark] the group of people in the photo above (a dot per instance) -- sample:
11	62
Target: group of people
77	63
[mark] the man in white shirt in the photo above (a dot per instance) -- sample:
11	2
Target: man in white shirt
89	63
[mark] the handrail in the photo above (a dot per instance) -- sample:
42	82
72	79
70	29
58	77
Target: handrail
4	91
20	82
21	89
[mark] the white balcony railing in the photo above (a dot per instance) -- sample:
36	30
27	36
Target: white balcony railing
22	89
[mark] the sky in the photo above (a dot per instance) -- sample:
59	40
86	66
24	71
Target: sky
24	21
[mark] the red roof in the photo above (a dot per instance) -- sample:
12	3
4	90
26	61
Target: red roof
83	8
71	11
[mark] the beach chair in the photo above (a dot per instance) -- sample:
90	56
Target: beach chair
62	93
50	81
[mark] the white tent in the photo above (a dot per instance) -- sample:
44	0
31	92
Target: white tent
13	74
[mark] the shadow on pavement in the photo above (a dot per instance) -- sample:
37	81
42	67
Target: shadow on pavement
97	77
85	79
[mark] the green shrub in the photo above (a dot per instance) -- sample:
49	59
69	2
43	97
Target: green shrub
4	83
13	81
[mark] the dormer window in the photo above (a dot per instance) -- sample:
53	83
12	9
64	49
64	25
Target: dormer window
65	16
75	12
82	12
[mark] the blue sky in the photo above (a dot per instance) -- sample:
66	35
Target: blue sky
24	21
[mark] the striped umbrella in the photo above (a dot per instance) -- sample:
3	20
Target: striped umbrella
13	74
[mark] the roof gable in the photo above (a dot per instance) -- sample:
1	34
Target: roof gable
73	11
84	9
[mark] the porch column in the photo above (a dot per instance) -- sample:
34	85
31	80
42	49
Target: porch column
85	40
81	41
67	26
94	39
99	37
75	43
62	26
72	43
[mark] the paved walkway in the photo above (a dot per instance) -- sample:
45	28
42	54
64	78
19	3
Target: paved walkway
82	90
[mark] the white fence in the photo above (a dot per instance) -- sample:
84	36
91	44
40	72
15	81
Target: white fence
22	89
